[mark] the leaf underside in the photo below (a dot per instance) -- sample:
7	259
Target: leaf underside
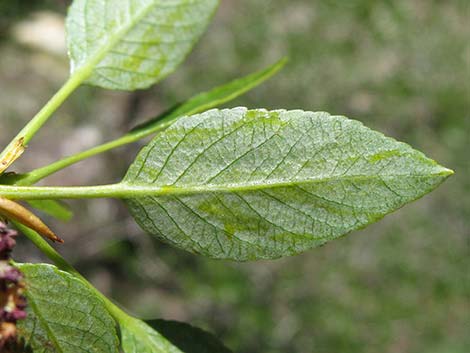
64	316
133	44
251	184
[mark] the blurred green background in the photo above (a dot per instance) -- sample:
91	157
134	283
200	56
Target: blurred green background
399	66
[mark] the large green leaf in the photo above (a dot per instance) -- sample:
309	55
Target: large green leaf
64	316
250	184
138	337
132	44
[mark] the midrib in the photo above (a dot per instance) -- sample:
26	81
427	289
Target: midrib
148	189
126	190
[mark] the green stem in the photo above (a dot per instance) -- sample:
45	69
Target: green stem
117	191
62	192
117	313
135	135
44	114
40	173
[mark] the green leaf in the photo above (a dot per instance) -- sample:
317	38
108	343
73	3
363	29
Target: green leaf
138	337
188	338
251	184
133	44
64	316
211	99
53	208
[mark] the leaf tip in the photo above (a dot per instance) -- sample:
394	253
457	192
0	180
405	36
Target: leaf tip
58	240
46	232
446	172
279	65
283	61
449	172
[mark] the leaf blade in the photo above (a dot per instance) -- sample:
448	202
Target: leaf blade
133	44
246	185
63	314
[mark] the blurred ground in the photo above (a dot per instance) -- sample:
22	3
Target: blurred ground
401	67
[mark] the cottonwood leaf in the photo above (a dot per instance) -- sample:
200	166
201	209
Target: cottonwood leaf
138	337
64	316
133	44
252	184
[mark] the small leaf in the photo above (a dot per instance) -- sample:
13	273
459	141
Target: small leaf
188	338
134	43
251	184
53	208
211	99
138	337
64	316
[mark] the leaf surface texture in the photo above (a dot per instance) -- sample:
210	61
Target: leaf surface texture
133	44
252	184
64	316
